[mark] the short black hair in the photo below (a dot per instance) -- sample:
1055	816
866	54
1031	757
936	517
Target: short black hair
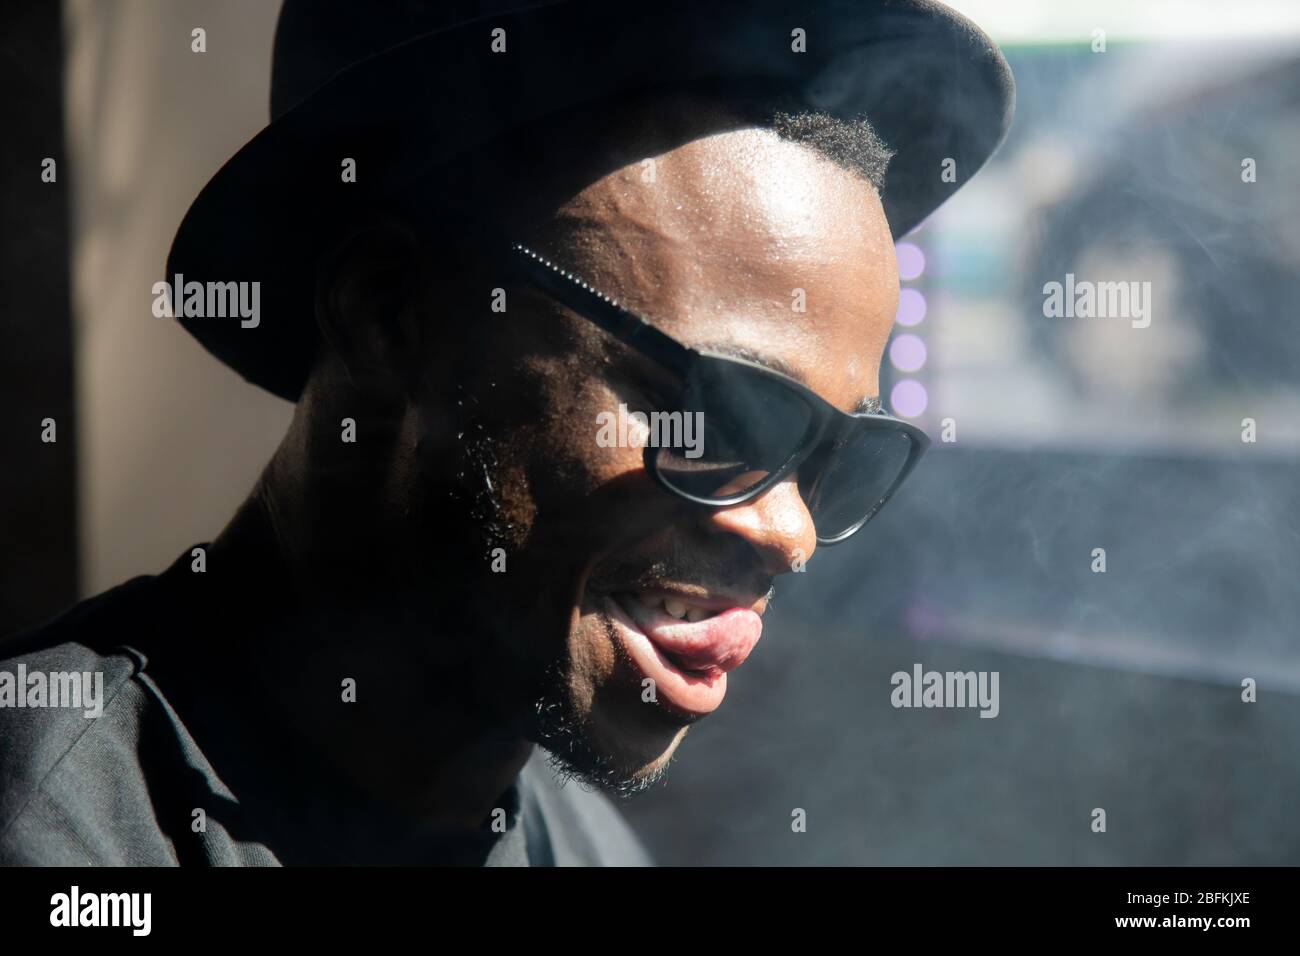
850	144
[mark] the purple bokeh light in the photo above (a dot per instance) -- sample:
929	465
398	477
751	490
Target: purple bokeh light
911	307
911	261
908	398
907	352
922	620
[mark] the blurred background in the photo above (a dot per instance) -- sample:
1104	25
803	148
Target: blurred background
1119	690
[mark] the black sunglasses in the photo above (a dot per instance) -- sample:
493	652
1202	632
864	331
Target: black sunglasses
759	426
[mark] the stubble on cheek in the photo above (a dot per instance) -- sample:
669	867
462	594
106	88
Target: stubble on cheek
535	479
491	488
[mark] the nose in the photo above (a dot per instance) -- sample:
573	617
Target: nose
776	524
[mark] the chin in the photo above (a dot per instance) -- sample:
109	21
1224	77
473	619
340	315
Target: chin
621	759
608	737
638	754
622	774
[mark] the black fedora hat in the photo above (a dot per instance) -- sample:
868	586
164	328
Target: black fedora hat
400	87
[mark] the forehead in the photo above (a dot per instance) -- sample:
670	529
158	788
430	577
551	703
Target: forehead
743	241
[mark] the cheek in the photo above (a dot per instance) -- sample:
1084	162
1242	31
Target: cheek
580	493
593	661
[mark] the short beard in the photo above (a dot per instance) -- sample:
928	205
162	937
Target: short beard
566	737
476	489
557	727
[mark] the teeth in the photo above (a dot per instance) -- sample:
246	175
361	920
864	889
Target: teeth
676	608
696	614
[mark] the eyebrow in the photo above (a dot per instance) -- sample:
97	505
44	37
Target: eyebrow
869	405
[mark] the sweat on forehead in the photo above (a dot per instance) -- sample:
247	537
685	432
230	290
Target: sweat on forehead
744	200
745	241
727	227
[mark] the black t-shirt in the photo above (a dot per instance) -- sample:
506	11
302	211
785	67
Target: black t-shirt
168	773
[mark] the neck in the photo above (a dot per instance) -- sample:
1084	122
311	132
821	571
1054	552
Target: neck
380	681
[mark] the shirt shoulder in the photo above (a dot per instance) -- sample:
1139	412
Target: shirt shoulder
92	747
70	714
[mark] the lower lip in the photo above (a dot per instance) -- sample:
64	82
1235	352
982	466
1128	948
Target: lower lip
694	694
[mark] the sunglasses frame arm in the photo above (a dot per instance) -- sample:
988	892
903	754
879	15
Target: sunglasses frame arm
573	291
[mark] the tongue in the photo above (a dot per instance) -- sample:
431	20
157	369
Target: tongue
721	642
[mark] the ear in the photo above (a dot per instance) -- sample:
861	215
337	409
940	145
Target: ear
364	308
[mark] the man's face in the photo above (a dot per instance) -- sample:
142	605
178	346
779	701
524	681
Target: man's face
636	604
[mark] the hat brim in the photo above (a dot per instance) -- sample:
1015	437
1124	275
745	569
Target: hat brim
932	84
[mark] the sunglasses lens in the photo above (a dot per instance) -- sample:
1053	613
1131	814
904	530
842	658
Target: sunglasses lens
849	482
745	425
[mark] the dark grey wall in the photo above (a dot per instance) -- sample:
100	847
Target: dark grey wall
1187	772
